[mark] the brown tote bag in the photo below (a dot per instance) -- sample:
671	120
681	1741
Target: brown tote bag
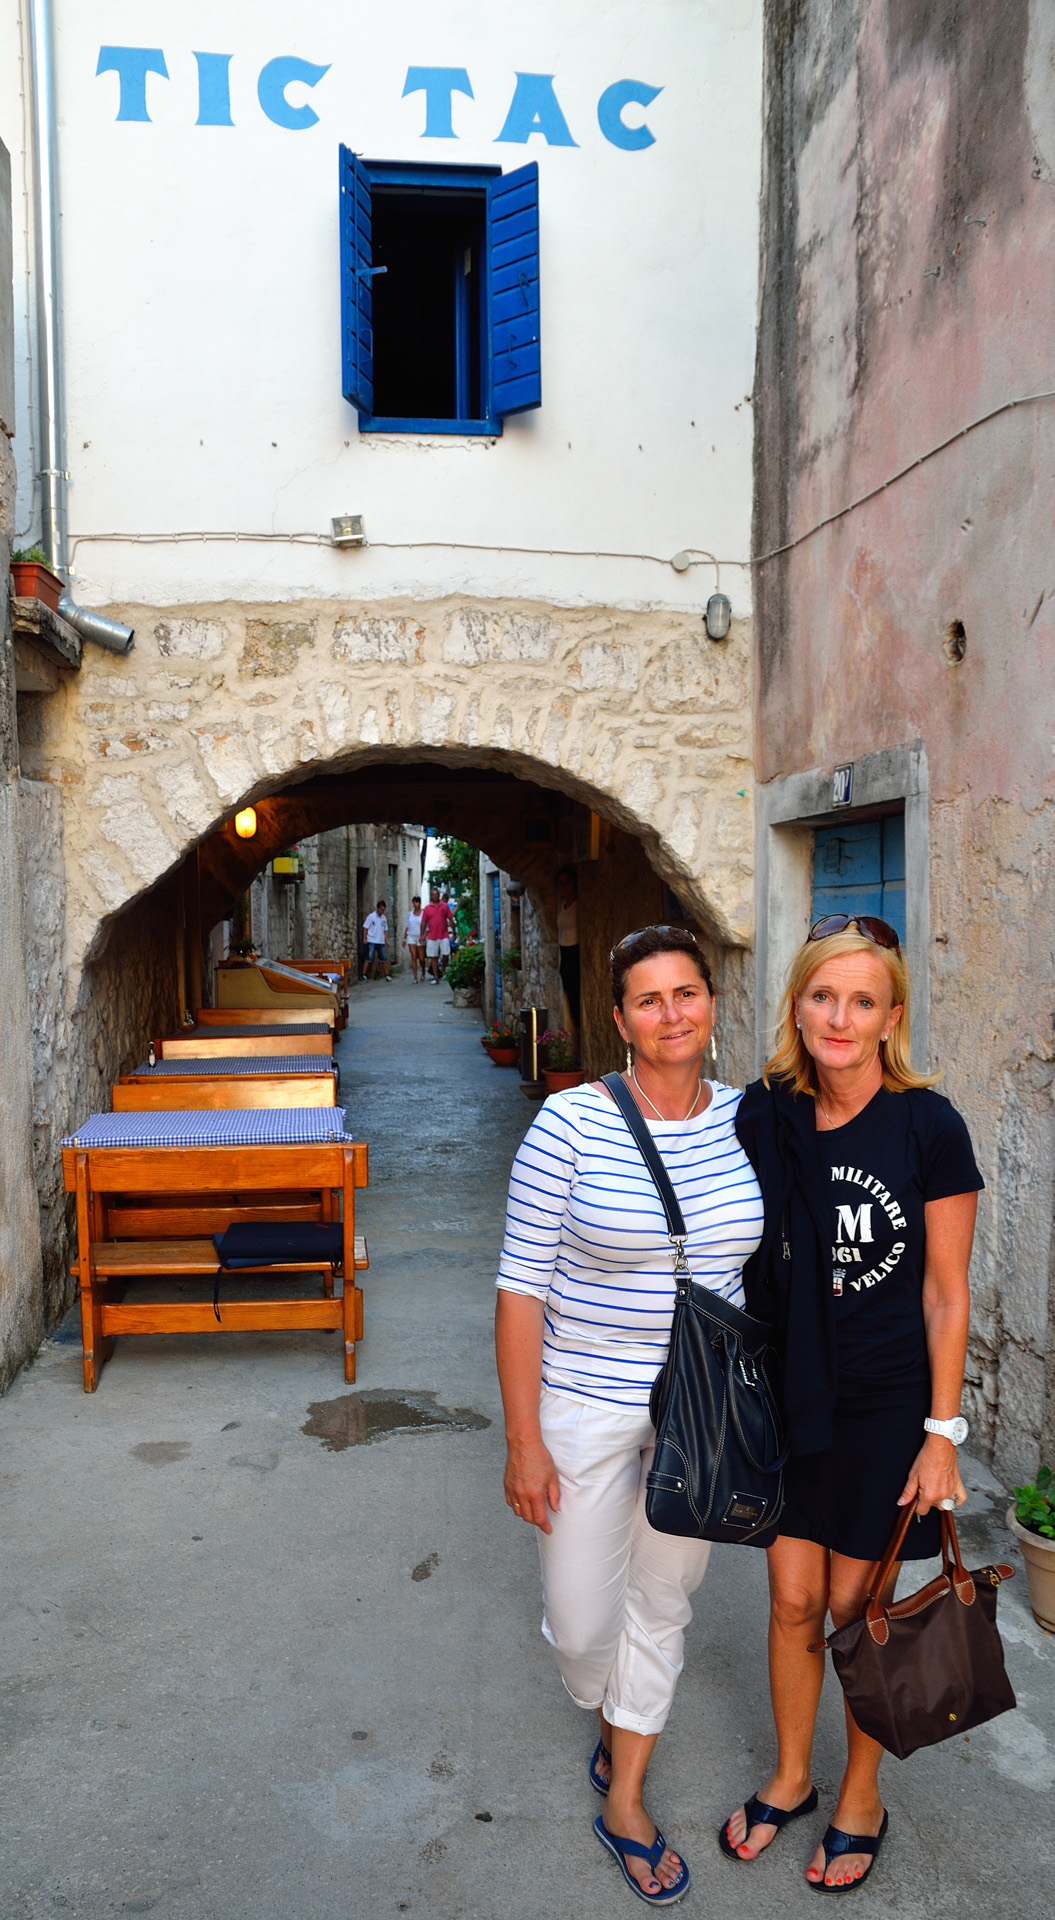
932	1665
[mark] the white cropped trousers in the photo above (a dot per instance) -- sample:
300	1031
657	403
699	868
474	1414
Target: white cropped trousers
615	1592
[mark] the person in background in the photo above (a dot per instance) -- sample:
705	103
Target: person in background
870	1189
375	931
463	914
413	940
437	925
585	1302
568	940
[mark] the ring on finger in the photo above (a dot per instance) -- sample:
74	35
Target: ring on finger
947	1505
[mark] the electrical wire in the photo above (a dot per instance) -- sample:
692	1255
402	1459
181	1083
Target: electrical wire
697	555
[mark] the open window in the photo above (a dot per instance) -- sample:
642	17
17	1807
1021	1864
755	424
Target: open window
439	296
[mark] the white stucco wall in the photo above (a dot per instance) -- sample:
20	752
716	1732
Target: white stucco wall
202	305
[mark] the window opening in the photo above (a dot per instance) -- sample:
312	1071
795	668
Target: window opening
859	867
428	303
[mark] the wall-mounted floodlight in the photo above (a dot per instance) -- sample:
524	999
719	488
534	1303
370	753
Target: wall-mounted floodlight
245	823
347	530
718	616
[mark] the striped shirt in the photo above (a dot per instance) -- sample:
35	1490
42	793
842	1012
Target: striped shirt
587	1235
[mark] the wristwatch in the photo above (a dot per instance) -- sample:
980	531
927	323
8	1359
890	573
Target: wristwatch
954	1430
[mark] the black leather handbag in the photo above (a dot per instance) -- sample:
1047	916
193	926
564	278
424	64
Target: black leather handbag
717	1472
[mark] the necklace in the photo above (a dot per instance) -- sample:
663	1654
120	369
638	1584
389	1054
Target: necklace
652	1104
825	1112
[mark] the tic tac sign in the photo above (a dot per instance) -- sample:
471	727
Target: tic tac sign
843	786
533	108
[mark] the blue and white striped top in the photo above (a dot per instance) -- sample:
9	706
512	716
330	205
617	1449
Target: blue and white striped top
586	1234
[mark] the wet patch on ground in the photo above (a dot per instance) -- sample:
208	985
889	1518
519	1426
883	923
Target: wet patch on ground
161	1453
358	1419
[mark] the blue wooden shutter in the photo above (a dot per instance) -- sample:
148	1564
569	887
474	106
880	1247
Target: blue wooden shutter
357	301
513	265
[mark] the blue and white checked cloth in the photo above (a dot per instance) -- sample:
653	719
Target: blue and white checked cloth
233	1127
240	1064
250	1033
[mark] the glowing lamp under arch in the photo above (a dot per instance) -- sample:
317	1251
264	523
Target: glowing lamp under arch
245	823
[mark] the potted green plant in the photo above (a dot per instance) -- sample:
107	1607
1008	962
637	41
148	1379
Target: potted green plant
33	578
502	1042
242	950
465	975
560	1068
1032	1521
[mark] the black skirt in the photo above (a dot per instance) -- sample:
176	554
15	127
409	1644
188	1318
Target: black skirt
846	1499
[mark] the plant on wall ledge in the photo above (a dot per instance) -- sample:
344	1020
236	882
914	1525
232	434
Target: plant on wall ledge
467	967
241	950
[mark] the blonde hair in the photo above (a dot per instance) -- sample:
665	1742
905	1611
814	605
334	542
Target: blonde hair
790	1060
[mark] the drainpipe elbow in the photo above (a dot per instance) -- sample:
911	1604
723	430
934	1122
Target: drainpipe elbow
111	634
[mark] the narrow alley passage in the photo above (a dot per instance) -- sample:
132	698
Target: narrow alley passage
251	1672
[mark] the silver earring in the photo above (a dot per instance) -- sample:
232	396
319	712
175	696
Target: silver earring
629	1059
798	1024
714	1049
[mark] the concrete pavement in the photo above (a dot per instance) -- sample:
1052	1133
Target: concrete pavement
251	1672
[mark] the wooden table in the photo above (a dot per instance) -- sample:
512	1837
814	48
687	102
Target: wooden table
147	1211
265	1016
238	1080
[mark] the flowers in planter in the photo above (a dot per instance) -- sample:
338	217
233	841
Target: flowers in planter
501	1034
1035	1504
467	967
561	1051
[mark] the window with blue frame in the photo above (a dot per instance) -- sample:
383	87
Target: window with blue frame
439	295
859	867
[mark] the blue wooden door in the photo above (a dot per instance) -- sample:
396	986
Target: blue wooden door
496	922
859	867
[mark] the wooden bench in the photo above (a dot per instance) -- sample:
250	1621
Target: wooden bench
204	1046
177	1093
144	1213
265	1017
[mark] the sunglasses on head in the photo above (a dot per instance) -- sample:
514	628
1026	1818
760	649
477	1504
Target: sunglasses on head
868	924
628	939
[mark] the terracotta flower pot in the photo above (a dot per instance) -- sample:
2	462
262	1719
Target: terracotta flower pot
1039	1556
559	1082
34	582
504	1056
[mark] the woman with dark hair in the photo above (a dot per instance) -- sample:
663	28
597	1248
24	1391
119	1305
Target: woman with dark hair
870	1190
585	1302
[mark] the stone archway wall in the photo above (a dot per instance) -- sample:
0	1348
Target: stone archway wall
637	714
136	761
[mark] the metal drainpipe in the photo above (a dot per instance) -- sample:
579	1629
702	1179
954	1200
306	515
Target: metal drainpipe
51	399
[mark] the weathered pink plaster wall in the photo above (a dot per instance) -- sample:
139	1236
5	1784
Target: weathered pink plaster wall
908	285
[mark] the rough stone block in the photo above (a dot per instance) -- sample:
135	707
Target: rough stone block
197	639
273	647
376	639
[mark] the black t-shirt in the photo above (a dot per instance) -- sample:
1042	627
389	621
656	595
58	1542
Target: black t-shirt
900	1151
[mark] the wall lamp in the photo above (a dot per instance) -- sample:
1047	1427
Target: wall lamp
718	616
245	823
347	530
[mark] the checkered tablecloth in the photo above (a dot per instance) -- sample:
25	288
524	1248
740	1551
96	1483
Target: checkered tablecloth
239	1064
250	1033
231	1127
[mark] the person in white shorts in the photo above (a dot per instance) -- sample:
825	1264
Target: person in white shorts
437	925
412	939
586	1297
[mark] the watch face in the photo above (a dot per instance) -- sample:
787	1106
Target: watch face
959	1431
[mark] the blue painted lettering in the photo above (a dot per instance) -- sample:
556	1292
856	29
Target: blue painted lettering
214	90
438	84
271	90
625	93
534	109
132	64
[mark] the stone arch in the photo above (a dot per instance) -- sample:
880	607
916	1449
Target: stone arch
137	763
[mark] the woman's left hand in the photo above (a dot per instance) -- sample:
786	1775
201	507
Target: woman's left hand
934	1476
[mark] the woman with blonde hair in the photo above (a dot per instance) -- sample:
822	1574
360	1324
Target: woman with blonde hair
870	1189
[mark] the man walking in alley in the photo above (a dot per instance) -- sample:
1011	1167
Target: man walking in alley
375	931
437	926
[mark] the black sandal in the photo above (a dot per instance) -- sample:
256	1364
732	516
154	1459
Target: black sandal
836	1842
760	1814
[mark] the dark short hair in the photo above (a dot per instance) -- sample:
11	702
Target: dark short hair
645	944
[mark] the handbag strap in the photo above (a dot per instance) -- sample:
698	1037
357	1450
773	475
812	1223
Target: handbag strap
952	1568
677	1232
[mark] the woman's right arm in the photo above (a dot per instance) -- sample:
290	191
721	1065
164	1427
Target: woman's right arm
532	1488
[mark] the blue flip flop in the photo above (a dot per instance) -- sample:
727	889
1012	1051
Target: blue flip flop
618	1847
760	1814
600	1752
836	1842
